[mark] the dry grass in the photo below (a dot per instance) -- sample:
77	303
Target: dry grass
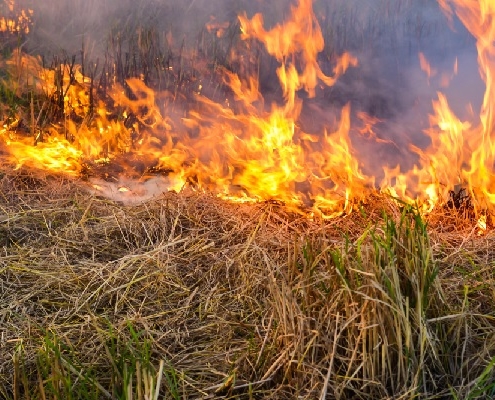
235	301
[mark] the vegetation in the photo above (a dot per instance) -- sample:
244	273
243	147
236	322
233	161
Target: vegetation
200	298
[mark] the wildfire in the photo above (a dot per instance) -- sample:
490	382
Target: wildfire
245	150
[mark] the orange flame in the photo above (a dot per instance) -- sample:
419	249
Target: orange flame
479	18
14	20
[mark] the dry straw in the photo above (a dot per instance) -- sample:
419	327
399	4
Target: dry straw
188	296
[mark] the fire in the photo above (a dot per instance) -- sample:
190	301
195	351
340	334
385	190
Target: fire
481	225
478	163
426	67
243	149
53	155
14	20
460	153
300	35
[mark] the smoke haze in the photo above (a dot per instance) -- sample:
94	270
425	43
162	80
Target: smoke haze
386	35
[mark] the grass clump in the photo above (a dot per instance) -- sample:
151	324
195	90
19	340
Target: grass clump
59	374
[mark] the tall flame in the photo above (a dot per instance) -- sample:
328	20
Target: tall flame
477	162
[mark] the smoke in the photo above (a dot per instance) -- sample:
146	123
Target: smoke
389	83
131	191
386	35
63	25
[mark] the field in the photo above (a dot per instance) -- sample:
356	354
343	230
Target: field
109	290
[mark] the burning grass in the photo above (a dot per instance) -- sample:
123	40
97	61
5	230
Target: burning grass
278	270
204	298
174	110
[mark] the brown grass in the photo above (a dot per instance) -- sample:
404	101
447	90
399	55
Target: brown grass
238	301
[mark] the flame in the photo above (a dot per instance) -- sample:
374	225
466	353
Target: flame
426	67
219	28
300	35
14	20
445	77
244	150
481	225
460	153
479	18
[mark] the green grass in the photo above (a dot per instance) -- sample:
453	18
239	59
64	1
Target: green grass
58	372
